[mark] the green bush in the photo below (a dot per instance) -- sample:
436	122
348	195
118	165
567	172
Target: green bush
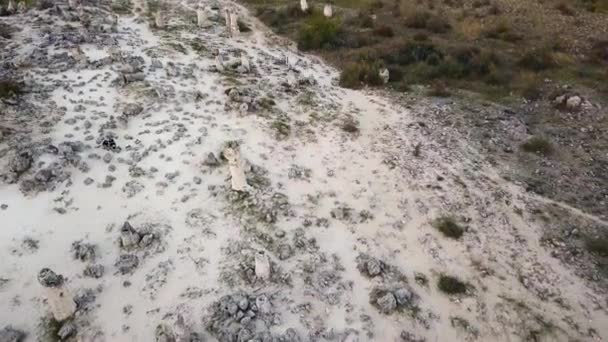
429	21
384	31
451	285
9	88
598	246
503	31
538	145
415	52
448	227
319	32
537	60
357	74
599	52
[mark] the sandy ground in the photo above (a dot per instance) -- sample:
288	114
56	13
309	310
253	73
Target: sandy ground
322	200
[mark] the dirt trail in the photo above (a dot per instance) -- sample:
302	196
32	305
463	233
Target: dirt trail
338	209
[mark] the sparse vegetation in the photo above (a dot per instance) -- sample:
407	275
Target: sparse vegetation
449	227
538	145
451	285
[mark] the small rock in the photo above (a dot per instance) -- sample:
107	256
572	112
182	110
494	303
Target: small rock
129	236
48	278
374	267
211	160
387	303
403	296
132	109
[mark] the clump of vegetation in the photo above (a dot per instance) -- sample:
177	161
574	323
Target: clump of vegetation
49	329
384	31
599	52
598	246
357	74
319	32
451	285
538	145
449	227
9	88
350	126
537	60
429	21
502	31
439	89
282	128
565	9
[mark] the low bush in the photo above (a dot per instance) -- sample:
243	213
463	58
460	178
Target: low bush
598	246
384	31
427	20
538	145
357	74
599	52
537	60
6	31
319	32
451	285
9	88
502	31
448	227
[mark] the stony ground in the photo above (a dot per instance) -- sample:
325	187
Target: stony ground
120	162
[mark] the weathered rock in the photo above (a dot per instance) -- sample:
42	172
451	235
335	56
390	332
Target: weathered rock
387	303
262	266
403	296
211	160
129	237
48	278
374	267
285	251
132	109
